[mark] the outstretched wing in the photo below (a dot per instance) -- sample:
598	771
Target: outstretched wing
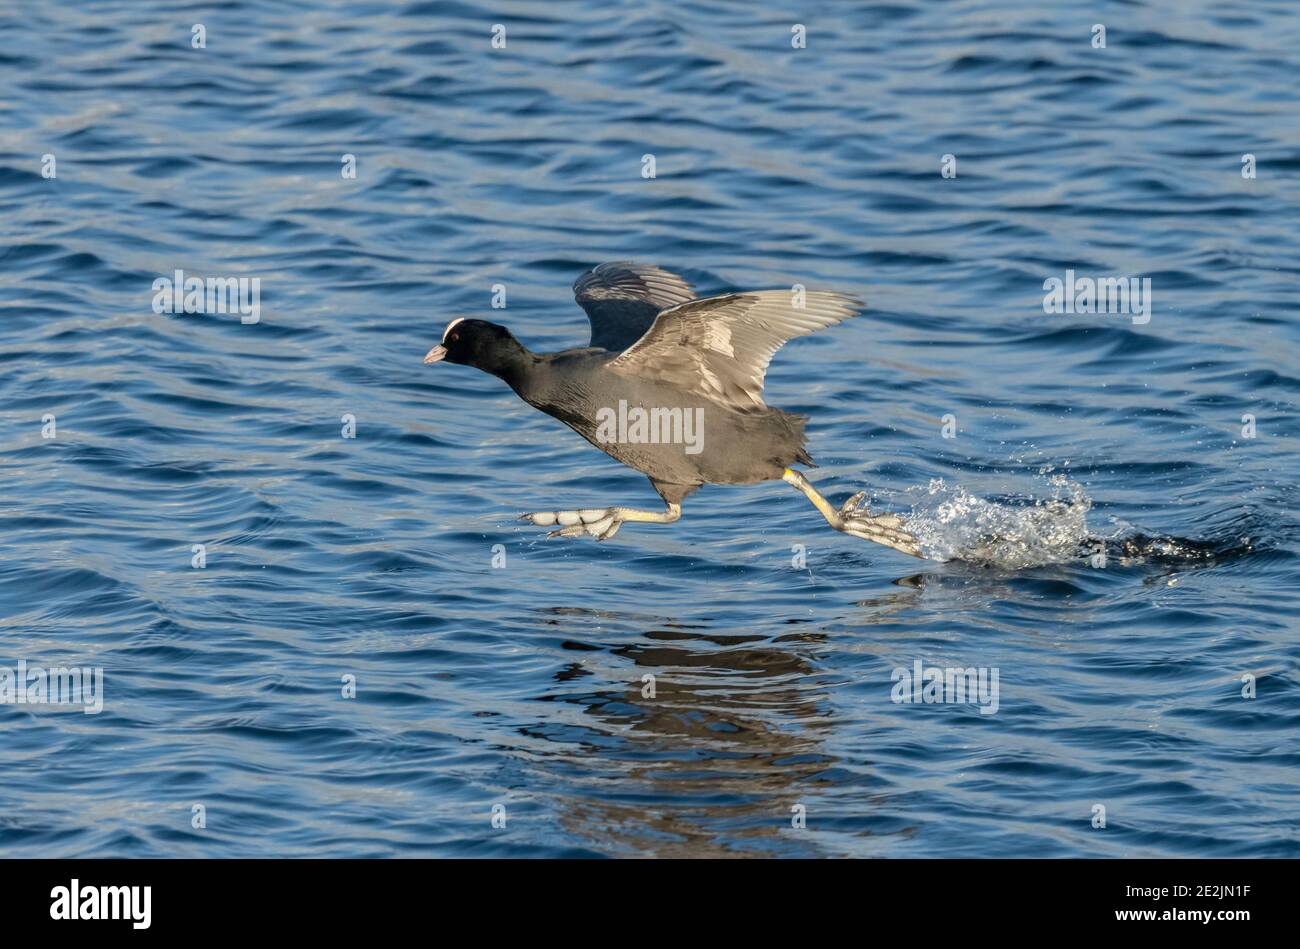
622	299
720	347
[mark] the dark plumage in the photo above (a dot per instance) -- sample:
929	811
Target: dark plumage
693	370
622	299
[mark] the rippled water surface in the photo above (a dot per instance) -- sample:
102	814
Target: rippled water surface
523	685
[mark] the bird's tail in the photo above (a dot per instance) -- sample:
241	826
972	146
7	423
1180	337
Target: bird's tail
794	424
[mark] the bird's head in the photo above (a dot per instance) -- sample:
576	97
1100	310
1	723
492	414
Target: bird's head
478	343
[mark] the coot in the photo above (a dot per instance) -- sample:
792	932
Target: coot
672	386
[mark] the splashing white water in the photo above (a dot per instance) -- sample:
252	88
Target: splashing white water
953	524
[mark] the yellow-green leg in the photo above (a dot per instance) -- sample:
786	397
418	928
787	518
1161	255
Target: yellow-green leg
884	529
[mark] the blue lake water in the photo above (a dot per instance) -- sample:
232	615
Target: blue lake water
521	685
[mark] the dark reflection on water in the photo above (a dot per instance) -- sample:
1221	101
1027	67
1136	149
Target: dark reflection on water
710	754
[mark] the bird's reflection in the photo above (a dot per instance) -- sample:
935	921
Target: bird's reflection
708	755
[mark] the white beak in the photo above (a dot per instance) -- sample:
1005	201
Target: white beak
437	354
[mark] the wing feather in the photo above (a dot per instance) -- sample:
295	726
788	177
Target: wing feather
622	299
720	347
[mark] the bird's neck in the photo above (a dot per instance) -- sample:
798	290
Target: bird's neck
513	365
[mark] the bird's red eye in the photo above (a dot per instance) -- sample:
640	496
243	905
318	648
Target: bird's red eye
455	337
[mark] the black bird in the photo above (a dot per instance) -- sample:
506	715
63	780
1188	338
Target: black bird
672	386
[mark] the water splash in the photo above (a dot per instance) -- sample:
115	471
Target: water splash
1013	533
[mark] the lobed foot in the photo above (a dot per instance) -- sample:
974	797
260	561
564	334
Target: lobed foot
884	529
600	523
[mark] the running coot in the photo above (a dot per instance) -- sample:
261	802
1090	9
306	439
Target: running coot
672	386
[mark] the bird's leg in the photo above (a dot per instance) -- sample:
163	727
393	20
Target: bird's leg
601	523
884	529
